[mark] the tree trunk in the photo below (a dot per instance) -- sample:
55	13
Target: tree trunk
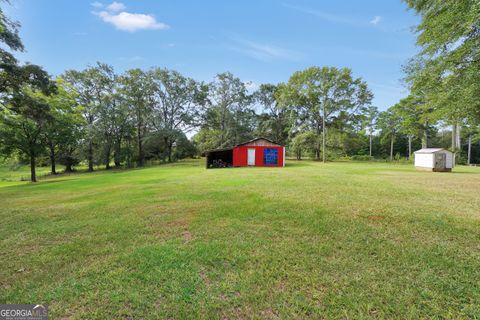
409	147
53	160
454	140
129	153
458	137
391	148
222	136
469	152
141	154
222	128
33	173
107	157
116	160
323	137
68	168
169	145
454	143
170	152
90	155
425	137
117	156
370	144
278	130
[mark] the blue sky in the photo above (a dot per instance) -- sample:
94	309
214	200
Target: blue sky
259	41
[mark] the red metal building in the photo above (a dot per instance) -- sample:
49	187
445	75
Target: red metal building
258	152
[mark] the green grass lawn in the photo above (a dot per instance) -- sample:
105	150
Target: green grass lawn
21	173
312	240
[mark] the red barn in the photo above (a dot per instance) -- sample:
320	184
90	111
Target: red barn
258	152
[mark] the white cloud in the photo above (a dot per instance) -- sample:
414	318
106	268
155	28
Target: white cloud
335	18
376	20
265	52
127	21
116	7
97	4
330	17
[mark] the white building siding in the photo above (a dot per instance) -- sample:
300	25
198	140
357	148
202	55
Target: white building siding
437	159
424	160
449	160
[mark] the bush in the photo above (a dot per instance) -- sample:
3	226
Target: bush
460	158
14	165
359	157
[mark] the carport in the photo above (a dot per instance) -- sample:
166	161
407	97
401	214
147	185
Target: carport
219	158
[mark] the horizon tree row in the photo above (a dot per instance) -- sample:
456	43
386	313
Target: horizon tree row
99	117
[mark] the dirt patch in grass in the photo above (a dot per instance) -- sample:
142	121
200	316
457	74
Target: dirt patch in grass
187	236
269	314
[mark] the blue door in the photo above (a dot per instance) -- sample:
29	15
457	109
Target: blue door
270	156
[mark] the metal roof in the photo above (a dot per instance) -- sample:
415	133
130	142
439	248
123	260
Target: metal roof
218	150
430	150
240	144
261	138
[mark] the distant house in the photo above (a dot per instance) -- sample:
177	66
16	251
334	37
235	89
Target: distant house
434	159
258	152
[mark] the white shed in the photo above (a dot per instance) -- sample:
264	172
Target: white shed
434	159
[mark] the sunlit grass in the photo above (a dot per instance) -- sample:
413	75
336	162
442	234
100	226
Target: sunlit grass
312	240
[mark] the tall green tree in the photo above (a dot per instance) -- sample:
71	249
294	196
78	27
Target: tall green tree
13	76
138	88
415	120
84	92
447	69
274	121
370	123
322	94
229	115
114	121
22	114
21	126
93	87
178	102
303	142
472	135
63	130
389	124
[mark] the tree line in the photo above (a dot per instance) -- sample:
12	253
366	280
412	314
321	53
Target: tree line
97	116
444	77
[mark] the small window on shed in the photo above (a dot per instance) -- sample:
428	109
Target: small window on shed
270	156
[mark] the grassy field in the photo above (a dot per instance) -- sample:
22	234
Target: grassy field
20	173
312	240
